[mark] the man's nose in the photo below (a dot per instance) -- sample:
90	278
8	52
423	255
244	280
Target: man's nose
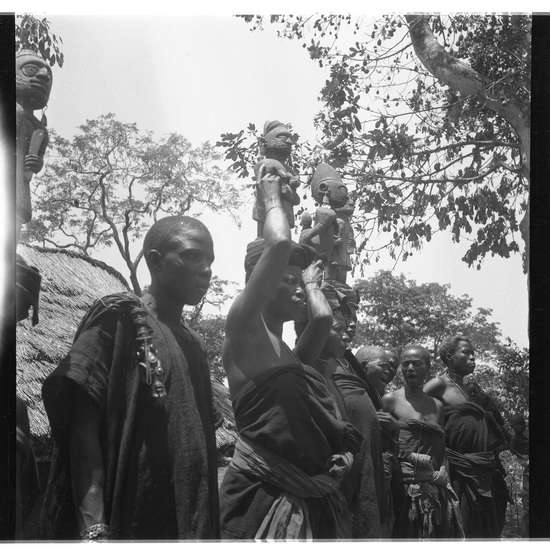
206	269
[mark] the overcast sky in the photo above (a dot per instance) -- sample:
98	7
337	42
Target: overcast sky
205	75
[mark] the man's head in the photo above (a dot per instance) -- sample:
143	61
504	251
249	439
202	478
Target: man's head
338	338
342	296
415	363
518	423
376	364
394	362
457	353
475	392
179	253
33	77
288	301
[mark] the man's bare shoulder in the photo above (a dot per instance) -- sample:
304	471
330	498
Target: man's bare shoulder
391	398
435	387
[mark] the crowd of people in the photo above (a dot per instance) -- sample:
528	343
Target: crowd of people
325	449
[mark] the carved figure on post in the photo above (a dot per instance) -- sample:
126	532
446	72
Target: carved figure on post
332	234
276	147
33	86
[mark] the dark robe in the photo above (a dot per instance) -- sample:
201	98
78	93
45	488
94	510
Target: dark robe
27	479
288	410
364	486
160	464
427	510
472	468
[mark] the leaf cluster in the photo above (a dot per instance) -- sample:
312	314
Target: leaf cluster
33	33
421	157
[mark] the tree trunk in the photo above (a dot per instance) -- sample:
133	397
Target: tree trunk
466	81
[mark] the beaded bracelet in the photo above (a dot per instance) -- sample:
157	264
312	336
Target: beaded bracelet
94	532
273	207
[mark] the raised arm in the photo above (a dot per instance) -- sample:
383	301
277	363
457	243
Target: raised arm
311	342
243	316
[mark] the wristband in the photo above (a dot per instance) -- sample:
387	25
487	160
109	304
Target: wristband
94	532
273	207
313	289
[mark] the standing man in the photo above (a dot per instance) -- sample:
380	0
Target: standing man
429	507
472	464
131	408
283	481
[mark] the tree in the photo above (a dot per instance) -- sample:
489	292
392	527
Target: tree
427	118
110	183
395	311
35	34
212	330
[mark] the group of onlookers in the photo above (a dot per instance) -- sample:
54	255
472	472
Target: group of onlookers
325	450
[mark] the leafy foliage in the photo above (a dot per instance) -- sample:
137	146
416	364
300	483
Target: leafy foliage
112	181
212	330
35	34
507	380
420	156
395	311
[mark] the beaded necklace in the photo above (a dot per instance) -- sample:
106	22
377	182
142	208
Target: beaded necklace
460	386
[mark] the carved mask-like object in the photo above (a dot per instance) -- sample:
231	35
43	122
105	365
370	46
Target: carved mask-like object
33	80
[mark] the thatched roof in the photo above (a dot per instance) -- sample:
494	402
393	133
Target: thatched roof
70	284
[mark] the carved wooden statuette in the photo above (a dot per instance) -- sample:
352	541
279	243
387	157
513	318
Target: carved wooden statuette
332	234
33	86
276	147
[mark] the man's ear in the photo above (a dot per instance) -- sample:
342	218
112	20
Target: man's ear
154	260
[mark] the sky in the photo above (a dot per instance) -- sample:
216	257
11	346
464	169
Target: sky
204	75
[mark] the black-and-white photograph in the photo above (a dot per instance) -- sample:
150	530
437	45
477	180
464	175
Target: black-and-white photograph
271	276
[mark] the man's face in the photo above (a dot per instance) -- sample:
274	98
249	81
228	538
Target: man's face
338	339
394	363
414	365
378	370
185	268
289	299
352	320
518	425
462	361
33	81
278	140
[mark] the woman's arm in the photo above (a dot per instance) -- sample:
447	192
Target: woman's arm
311	342
87	471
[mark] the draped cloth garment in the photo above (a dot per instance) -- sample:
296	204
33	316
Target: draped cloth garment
365	486
287	411
429	508
472	468
288	517
159	464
